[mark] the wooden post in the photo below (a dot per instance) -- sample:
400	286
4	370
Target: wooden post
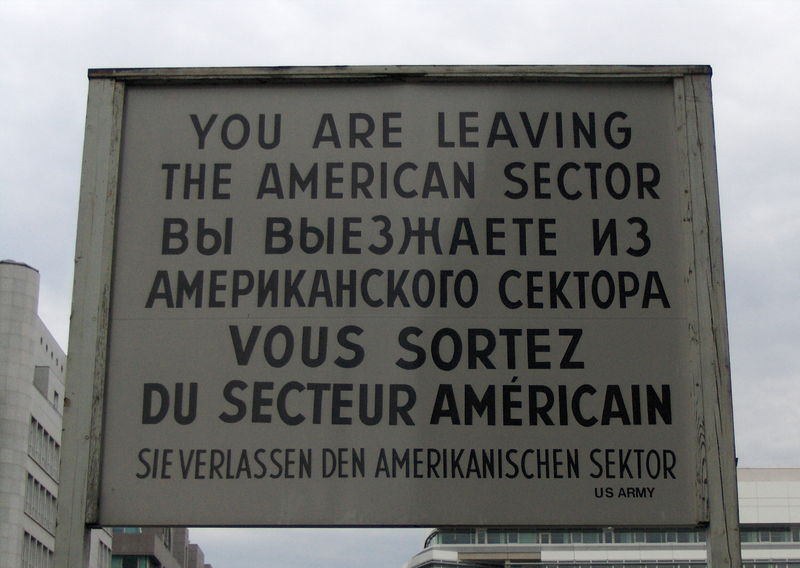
693	96
83	402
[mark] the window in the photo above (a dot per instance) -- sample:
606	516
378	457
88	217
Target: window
104	556
43	448
40	504
591	537
624	537
457	537
35	554
127	530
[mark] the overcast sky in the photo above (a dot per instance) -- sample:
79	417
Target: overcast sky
753	47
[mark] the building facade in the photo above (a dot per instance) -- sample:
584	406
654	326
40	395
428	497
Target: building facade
32	371
156	547
769	509
32	367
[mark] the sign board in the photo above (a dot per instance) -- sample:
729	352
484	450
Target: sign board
396	297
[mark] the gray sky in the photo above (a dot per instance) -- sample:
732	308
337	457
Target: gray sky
753	48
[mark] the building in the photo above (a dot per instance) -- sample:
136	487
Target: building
32	371
769	509
156	547
32	366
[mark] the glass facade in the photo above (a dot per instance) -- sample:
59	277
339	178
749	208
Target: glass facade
770	534
643	539
573	536
500	564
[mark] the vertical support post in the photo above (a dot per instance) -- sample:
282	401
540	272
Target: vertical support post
83	400
723	543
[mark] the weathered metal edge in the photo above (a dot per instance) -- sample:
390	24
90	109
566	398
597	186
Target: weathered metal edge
478	73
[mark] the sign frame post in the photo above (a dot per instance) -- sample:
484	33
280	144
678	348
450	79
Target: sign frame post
83	399
693	97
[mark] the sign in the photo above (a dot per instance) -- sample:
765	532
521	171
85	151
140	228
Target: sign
365	301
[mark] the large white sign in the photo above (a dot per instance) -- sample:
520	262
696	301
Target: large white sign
403	303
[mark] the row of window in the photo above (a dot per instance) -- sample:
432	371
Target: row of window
770	534
52	353
746	564
165	535
603	536
613	565
104	555
40	504
565	536
35	554
43	448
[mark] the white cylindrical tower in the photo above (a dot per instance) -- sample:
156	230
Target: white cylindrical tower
19	294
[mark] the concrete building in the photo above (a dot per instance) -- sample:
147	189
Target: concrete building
32	366
769	508
32	371
156	547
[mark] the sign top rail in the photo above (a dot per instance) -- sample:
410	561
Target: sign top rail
402	72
